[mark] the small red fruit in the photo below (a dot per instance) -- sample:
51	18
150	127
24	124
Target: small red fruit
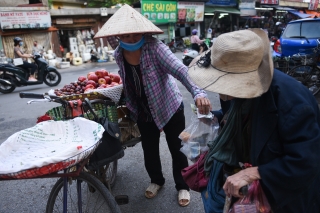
93	77
89	73
82	78
108	79
102	81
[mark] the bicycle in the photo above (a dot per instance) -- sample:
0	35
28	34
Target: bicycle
308	72
77	189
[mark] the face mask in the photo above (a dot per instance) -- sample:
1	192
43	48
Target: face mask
21	43
132	47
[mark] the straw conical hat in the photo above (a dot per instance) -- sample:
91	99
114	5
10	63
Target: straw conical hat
127	20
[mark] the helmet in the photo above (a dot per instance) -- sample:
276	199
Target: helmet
194	32
17	39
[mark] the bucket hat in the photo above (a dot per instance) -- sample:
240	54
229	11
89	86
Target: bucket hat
239	64
127	20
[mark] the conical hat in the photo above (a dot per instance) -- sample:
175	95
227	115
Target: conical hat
127	20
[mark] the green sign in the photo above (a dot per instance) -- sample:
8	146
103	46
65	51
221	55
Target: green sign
159	11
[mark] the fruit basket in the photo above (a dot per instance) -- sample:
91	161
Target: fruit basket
48	147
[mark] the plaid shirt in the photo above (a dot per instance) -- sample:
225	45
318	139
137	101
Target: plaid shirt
158	67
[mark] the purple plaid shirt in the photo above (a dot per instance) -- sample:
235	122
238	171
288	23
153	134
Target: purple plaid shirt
158	67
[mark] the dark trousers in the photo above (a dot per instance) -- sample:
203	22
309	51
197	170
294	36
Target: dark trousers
94	58
28	66
150	135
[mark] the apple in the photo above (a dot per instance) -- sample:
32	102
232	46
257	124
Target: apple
82	78
89	86
120	82
93	77
100	73
115	78
102	81
93	83
114	84
89	73
108	79
102	86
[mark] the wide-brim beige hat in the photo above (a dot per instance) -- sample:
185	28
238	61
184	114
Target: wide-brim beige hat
240	65
125	21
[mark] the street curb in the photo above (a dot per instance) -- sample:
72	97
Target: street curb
91	65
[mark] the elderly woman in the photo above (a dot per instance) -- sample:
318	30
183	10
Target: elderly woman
273	124
147	68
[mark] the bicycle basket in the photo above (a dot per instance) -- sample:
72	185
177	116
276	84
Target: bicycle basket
48	147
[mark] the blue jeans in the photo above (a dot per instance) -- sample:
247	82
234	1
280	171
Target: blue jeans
213	196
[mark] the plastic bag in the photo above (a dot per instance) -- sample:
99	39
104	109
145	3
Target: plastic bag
254	202
196	136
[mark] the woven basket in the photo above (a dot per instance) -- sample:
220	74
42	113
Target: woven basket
101	110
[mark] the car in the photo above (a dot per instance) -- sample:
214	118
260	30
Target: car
299	36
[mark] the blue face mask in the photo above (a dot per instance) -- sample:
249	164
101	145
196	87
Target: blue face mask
132	47
21	43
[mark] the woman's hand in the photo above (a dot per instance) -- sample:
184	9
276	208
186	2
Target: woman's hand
234	182
203	105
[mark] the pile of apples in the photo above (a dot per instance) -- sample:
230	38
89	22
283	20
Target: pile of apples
99	79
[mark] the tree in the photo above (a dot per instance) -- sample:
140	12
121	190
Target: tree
108	3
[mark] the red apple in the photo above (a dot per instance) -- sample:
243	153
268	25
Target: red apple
93	77
89	86
101	81
114	84
89	73
120	82
108	79
93	83
116	78
100	73
82	78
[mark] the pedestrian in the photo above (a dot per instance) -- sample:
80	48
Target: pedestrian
36	48
147	67
196	42
273	124
94	57
18	53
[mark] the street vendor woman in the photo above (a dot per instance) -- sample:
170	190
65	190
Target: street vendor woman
273	124
147	68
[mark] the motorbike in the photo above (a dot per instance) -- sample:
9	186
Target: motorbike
176	44
12	76
190	54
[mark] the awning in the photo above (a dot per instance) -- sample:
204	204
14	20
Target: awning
300	15
212	9
26	31
313	13
279	7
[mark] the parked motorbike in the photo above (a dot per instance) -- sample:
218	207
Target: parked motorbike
12	76
190	54
177	44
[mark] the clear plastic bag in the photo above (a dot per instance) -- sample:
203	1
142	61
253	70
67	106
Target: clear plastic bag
196	136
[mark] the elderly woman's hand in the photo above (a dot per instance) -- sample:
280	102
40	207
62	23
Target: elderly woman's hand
203	105
234	182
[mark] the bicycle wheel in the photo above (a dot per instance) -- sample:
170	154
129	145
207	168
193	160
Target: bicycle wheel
307	76
107	173
95	196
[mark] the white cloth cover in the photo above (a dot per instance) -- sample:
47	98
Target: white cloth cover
48	142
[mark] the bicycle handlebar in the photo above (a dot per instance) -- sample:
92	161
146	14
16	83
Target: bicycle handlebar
52	98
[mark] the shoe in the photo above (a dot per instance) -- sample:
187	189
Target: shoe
184	197
32	79
152	190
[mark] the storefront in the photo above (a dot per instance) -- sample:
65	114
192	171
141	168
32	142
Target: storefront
76	33
163	14
30	26
190	16
221	16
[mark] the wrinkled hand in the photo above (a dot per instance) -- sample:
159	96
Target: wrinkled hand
234	182
203	105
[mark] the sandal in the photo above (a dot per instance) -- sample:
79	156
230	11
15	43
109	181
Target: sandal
152	190
184	197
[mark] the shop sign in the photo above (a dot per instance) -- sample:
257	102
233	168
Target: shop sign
64	21
247	8
313	5
190	11
159	11
18	20
222	2
270	2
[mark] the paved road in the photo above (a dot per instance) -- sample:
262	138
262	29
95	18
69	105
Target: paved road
30	196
